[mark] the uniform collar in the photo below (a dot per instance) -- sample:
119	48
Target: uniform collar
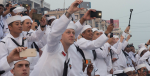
10	36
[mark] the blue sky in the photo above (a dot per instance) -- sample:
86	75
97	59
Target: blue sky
120	9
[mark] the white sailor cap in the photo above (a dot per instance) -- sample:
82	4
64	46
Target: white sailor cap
118	72
85	27
20	60
115	36
140	66
141	49
94	29
100	31
13	18
128	69
51	17
18	9
71	25
141	45
25	17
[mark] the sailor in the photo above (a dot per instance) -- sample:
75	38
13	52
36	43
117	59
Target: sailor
142	70
17	38
7	62
56	59
50	20
87	45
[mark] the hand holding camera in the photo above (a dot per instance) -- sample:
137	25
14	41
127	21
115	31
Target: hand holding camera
109	29
14	55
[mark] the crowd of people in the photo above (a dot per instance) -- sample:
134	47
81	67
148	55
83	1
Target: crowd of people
65	47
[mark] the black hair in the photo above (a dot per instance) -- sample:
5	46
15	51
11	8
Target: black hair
10	24
7	5
2	5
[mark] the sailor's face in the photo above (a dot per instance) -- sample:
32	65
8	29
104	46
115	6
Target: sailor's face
134	73
68	37
27	25
1	10
130	73
132	49
21	68
116	39
16	27
88	34
96	34
143	71
10	6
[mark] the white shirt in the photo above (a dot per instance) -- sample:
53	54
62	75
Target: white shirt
33	60
4	65
51	63
100	61
121	62
48	29
142	60
9	45
87	46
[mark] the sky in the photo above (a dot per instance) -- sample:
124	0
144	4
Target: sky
120	9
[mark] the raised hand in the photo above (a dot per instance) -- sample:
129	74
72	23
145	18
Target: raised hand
109	29
128	37
73	8
90	69
87	15
110	41
127	29
121	39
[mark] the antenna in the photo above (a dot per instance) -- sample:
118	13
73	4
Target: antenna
64	6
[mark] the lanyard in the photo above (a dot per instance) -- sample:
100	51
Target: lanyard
35	45
65	68
17	43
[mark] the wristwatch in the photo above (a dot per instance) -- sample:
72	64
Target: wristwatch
68	13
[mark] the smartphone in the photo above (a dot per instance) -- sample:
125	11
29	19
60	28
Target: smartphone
37	16
47	15
88	61
112	21
25	5
85	5
28	53
111	35
97	14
